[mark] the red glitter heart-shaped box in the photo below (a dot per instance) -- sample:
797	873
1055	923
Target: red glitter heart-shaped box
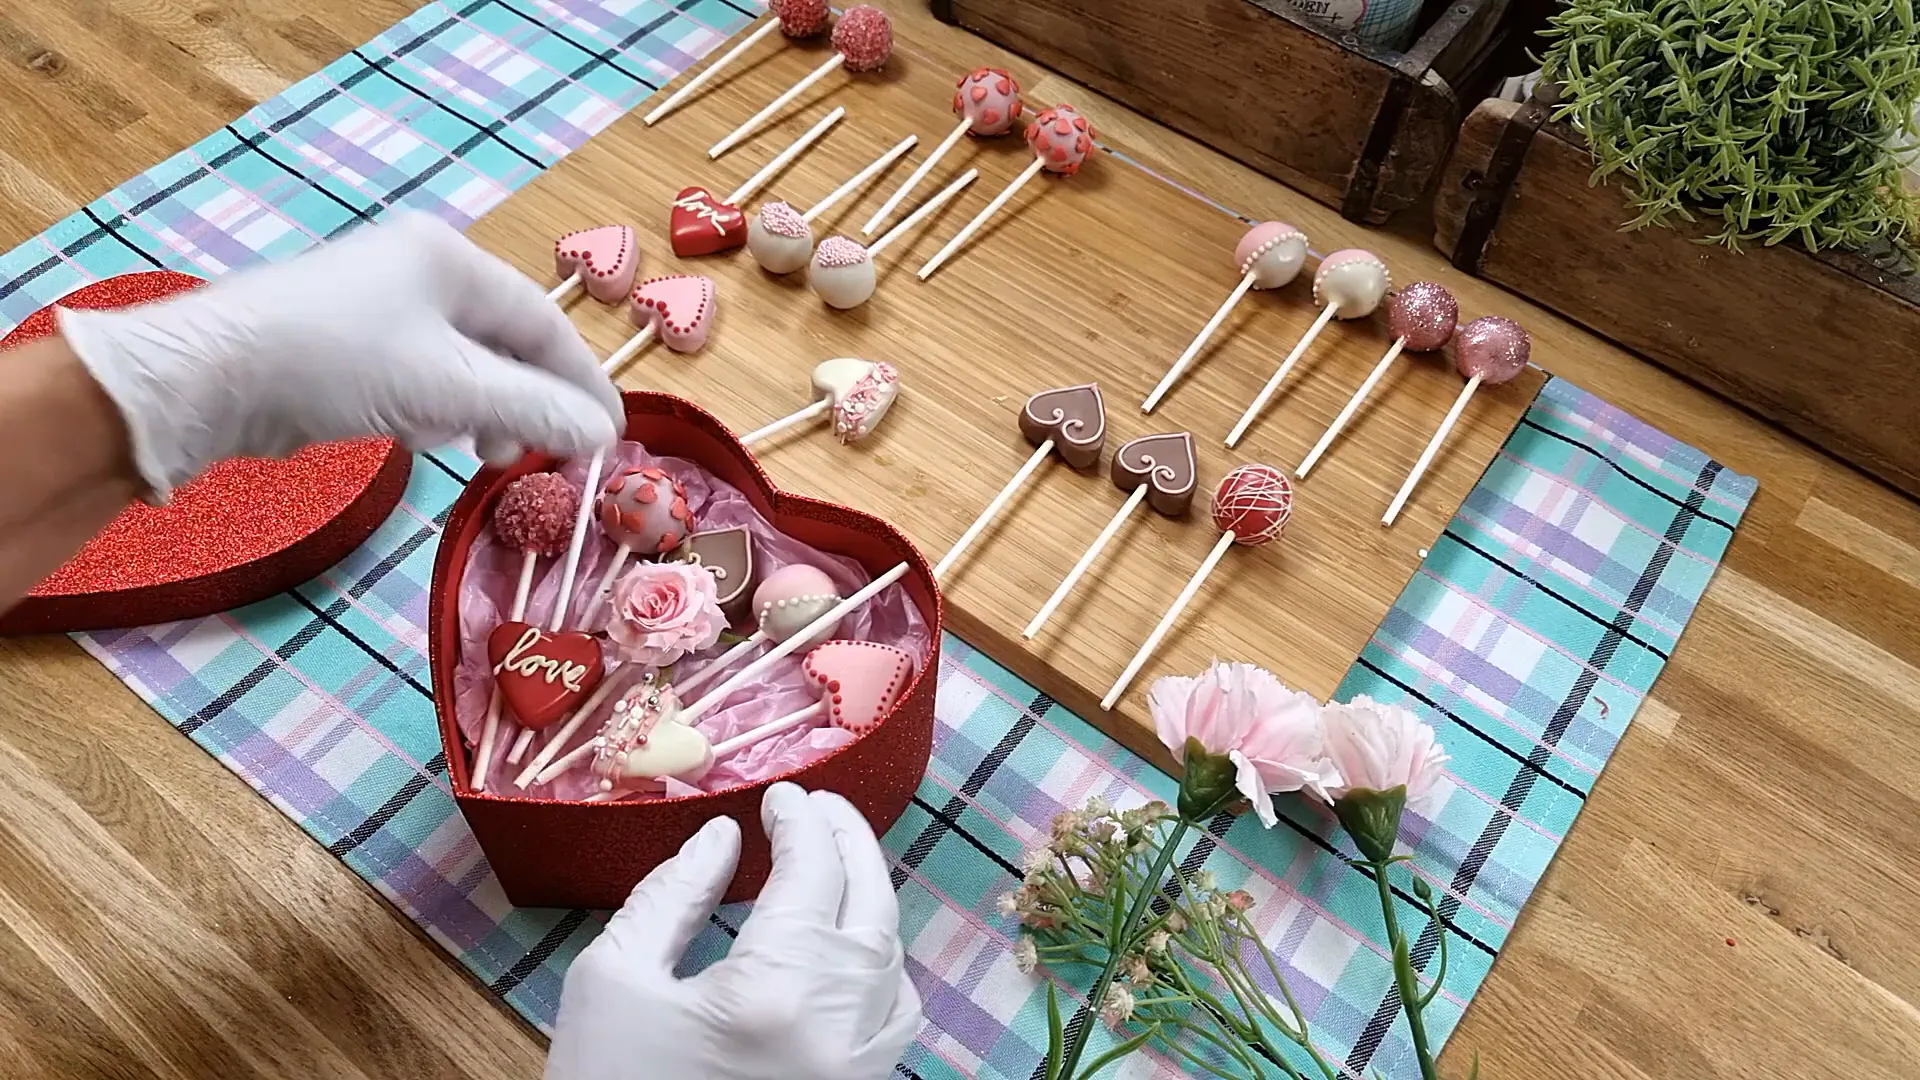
247	529
552	853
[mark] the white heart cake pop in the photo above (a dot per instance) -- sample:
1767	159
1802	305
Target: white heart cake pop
645	739
1352	281
792	597
842	273
860	391
779	238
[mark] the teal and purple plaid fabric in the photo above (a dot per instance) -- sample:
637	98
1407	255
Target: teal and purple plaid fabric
1529	637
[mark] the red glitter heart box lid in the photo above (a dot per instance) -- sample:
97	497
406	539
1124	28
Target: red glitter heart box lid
552	853
245	530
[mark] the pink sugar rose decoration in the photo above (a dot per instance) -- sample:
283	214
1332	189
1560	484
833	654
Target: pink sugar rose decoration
1244	712
663	611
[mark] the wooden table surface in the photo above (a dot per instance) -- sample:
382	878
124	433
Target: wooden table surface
1738	898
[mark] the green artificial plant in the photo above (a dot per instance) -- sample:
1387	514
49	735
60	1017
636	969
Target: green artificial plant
1779	119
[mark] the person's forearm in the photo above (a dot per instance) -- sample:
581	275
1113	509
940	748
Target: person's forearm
63	446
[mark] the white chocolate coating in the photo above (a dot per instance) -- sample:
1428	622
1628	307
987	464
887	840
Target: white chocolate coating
777	253
842	273
1354	281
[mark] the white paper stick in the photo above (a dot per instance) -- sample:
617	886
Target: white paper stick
980	523
1266	392
784	158
712	69
1199	342
1433	447
979	219
858	179
725	660
767	730
620	556
1352	406
1086	560
531	774
893	201
755	121
483	755
559	292
1179	604
618	358
790	420
907	223
520	744
798	641
589	490
573	757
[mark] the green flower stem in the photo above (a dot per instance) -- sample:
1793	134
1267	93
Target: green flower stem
1140	903
1403	975
1202	1031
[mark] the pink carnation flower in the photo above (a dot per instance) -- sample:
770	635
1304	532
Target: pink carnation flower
1379	747
1245	712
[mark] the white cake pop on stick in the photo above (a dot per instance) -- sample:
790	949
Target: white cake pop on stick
1349	285
862	41
858	392
1069	419
1490	349
1269	255
987	101
1061	139
796	19
677	309
780	238
1421	318
843	274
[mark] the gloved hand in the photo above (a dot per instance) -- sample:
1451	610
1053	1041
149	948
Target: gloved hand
813	989
406	330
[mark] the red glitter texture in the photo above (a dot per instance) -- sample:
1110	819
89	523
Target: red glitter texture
864	36
549	853
536	514
800	18
245	530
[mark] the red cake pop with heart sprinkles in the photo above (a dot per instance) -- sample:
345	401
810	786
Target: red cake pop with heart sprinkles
1061	140
1251	507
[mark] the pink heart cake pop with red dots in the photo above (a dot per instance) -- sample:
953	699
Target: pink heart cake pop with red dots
604	259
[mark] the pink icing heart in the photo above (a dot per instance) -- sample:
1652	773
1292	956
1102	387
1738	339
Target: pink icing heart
606	258
679	308
859	681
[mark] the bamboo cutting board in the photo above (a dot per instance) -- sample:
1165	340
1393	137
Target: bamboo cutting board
1105	277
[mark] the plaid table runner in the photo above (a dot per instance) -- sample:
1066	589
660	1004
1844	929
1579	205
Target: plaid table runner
1530	635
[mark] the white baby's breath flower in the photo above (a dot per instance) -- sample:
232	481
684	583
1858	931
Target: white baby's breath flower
1098	807
1157	943
1205	881
1037	861
1026	955
1117	1007
1009	903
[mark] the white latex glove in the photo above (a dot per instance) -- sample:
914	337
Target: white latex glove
406	330
813	989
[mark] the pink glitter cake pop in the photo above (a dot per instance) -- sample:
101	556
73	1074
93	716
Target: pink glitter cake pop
1423	315
535	514
864	35
800	18
1492	349
988	99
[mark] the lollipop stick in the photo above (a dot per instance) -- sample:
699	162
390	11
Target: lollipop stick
787	421
980	523
979	219
1266	392
619	357
861	177
700	80
796	642
531	774
520	746
620	556
753	123
1086	560
767	730
588	489
1179	604
559	292
685	686
573	757
1433	447
483	754
1353	405
1199	342
785	157
920	173
907	223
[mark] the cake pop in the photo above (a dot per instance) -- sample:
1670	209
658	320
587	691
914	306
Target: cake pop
1349	284
843	273
1421	318
1251	507
858	683
857	392
702	225
644	739
1061	139
862	41
728	555
796	19
1490	349
789	599
987	101
604	259
780	238
678	309
1268	256
642	510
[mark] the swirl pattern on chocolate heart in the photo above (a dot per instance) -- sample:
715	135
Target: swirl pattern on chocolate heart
1165	464
1073	417
728	555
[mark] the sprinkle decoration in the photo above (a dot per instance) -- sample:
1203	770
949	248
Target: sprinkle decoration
781	219
799	18
1493	349
1424	314
864	36
1061	138
989	100
851	411
535	513
1254	503
838	251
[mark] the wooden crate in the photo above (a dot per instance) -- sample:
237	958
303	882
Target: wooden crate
1360	128
1821	344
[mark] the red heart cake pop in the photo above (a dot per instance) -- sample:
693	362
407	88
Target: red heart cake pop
703	225
542	676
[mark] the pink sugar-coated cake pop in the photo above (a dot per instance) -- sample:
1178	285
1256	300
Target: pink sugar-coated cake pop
864	35
535	513
680	309
607	258
800	18
989	100
645	510
1492	348
1254	503
1273	252
791	597
842	273
1353	281
1061	138
1424	314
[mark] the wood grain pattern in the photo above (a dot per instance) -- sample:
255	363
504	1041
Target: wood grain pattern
1764	794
